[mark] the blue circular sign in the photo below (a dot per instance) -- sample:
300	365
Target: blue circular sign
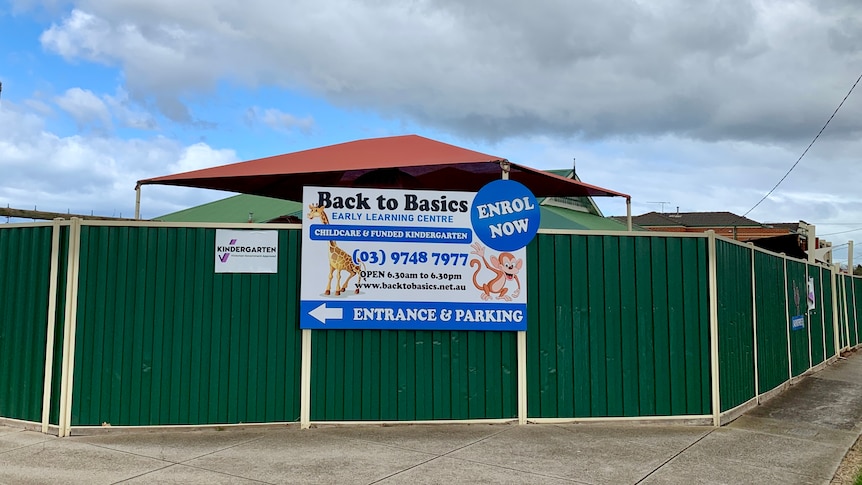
505	215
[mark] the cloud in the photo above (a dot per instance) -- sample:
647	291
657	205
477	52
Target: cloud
128	114
155	57
86	108
91	111
94	172
710	176
763	70
701	104
279	120
78	37
39	107
201	155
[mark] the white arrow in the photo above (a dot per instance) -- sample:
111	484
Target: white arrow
322	313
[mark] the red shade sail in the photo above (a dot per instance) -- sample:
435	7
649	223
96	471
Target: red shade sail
408	161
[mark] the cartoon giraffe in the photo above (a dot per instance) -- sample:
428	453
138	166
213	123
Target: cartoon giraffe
339	260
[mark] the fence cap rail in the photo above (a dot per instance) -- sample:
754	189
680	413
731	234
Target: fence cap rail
191	225
18	225
748	245
590	232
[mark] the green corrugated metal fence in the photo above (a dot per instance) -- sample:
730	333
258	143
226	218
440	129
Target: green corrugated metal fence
25	267
816	330
849	315
840	287
413	375
853	319
771	311
852	315
797	306
162	339
856	316
828	311
735	324
618	326
762	325
60	322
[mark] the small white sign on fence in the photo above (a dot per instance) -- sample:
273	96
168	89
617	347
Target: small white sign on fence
246	251
812	300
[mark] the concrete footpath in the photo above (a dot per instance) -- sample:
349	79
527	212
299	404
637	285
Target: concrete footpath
798	437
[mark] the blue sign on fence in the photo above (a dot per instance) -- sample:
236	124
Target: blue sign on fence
383	315
797	322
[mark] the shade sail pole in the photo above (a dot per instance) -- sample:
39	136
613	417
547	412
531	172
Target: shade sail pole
137	201
629	213
521	342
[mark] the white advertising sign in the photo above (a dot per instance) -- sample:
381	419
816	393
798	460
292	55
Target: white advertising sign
413	259
246	251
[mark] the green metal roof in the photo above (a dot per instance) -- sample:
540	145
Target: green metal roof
559	218
237	209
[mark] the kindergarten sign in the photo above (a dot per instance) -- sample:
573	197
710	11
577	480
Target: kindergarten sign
246	251
413	259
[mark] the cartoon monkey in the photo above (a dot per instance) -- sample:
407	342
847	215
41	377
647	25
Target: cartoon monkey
505	269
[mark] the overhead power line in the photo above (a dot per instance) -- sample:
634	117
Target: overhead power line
841	232
807	148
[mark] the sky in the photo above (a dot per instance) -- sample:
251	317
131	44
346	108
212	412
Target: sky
700	106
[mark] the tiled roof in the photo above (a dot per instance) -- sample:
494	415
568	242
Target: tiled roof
653	219
694	219
789	226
